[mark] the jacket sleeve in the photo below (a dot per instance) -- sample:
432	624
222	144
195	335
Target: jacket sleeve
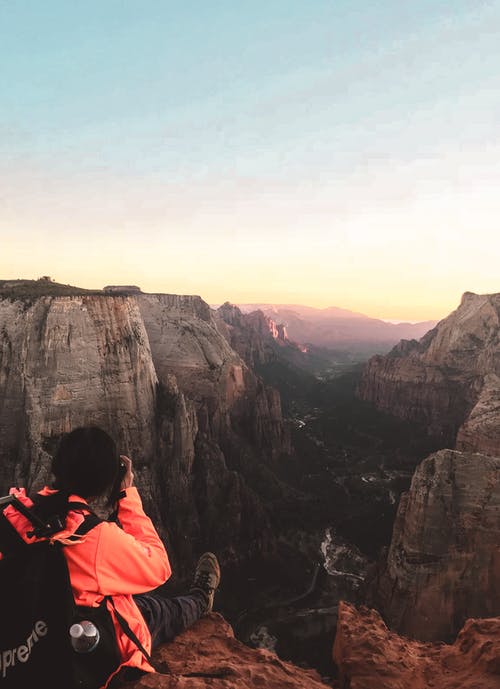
133	559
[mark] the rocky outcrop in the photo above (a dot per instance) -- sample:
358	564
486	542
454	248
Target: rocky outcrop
369	656
443	564
122	289
448	379
155	371
208	655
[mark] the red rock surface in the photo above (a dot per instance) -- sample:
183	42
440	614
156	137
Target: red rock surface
369	656
208	655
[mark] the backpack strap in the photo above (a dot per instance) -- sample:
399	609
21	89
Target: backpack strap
40	527
90	520
81	506
127	630
11	541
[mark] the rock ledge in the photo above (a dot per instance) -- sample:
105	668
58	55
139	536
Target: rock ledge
208	655
369	656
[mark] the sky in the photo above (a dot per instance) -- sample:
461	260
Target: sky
342	152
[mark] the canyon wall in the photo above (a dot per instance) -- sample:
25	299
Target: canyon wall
220	430
443	564
449	381
186	341
255	336
154	371
69	361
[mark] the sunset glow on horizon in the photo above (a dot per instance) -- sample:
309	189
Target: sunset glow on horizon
327	154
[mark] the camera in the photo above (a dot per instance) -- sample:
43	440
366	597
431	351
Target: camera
115	491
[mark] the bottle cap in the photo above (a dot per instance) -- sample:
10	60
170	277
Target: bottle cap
76	631
89	628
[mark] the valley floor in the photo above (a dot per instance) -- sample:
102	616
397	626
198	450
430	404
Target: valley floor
351	464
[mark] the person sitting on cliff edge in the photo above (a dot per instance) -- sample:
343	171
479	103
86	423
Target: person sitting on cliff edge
122	560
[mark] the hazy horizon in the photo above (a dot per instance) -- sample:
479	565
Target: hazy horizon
217	304
321	153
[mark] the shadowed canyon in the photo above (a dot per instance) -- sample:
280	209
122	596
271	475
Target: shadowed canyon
315	475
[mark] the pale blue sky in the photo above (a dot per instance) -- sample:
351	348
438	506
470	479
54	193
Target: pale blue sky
238	149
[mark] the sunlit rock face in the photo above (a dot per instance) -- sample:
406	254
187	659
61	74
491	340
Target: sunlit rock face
155	372
449	380
369	656
255	336
443	564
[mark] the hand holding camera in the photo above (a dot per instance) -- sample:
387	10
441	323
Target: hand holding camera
124	479
126	472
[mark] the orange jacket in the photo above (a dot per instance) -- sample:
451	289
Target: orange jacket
111	561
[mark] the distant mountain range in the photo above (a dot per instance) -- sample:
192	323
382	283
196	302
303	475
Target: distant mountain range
330	328
338	328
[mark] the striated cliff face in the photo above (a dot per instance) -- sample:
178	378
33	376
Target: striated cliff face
67	361
449	380
481	430
443	564
186	342
155	371
369	656
219	429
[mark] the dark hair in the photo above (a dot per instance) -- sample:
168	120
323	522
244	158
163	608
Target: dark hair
86	463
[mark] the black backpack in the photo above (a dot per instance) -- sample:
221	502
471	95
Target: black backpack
37	609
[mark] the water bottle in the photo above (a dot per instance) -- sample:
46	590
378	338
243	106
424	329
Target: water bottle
84	636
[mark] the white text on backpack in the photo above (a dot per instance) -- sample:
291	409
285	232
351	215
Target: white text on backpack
22	653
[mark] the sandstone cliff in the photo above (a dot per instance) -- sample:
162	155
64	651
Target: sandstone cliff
186	342
156	372
369	656
219	430
449	380
67	361
443	564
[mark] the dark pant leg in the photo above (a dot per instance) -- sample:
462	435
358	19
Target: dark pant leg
167	617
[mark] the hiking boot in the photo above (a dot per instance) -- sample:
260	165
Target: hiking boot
207	578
